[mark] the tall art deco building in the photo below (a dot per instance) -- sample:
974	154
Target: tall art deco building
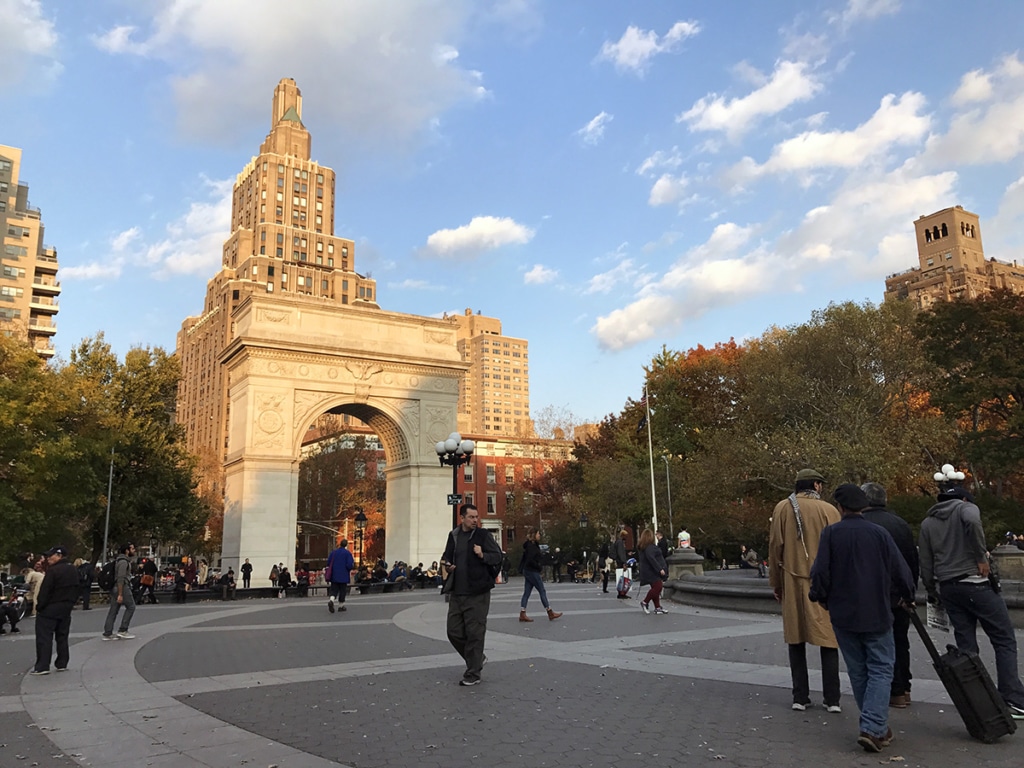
282	241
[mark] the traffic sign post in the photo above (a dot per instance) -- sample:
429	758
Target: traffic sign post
454	498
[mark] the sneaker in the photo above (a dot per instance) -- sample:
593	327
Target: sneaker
869	742
15	631
468	681
798	707
39	672
330	605
1017	713
660	611
343	608
125	635
62	669
833	708
645	606
110	637
886	740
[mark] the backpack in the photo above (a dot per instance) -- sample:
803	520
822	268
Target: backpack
105	576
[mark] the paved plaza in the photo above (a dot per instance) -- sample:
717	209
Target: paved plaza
260	683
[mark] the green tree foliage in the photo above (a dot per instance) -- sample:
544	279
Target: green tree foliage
71	417
975	347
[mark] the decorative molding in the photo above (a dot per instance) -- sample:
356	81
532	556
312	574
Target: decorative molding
440	423
273	316
269	423
438	337
363	371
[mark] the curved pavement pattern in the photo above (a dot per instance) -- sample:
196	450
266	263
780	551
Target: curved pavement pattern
284	683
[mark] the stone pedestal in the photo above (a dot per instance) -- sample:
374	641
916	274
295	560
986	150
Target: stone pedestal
684	560
1010	562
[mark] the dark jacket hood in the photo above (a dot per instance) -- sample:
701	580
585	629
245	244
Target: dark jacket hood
944	508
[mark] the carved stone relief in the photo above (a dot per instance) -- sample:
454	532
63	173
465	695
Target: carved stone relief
269	432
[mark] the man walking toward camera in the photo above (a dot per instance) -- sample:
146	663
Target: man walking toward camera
470	554
121	595
857	570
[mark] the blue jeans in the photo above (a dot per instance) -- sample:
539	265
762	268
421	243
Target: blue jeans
869	657
533	581
967	604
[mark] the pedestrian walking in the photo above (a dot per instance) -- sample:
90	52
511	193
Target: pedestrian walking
653	570
246	570
855	573
339	573
470	554
121	596
796	527
876	512
530	567
57	595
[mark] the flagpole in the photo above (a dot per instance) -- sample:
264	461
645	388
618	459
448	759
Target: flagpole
650	456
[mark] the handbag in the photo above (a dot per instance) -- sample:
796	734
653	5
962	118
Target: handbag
146	580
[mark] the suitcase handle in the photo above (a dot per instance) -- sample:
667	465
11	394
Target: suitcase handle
923	632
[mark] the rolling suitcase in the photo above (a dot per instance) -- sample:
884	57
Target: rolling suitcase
969	686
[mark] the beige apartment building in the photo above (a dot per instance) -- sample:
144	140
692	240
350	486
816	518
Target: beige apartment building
282	242
494	396
951	262
29	289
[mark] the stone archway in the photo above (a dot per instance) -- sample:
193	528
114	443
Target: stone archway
288	362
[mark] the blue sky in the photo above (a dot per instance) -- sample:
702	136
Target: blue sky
604	177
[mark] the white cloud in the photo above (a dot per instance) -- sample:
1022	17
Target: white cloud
28	41
119	40
378	73
897	121
661	159
1004	232
668	189
415	285
122	240
866	10
483	233
976	85
194	241
540	275
635	49
989	133
593	132
94	270
626	272
791	82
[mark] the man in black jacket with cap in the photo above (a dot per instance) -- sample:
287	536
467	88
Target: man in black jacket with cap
57	595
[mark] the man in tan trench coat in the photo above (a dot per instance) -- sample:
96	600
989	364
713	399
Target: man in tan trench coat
797	524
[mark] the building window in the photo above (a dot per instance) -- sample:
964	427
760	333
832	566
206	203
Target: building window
492	500
490	474
527	473
467	473
510	474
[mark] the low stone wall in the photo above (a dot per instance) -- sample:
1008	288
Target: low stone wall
743	590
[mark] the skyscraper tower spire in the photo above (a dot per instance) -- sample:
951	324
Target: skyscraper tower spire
288	136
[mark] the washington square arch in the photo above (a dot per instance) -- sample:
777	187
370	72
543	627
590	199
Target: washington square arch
288	364
290	330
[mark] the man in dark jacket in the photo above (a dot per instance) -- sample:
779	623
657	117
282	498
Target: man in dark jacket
340	563
955	569
899	530
469	554
855	573
57	596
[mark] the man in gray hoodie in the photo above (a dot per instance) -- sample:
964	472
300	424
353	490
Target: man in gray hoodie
955	570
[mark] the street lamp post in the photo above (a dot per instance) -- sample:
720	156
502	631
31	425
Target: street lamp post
668	487
455	452
360	527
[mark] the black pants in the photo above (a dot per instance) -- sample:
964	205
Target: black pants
338	590
829	674
467	625
245	580
48	628
147	589
901	676
86	594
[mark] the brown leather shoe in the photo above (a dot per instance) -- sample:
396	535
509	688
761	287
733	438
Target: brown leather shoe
869	742
552	615
899	701
887	740
524	617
